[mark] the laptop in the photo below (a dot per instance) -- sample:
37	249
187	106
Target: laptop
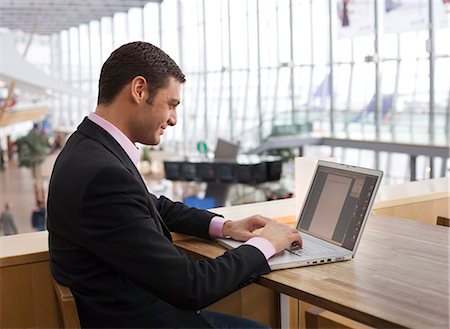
333	216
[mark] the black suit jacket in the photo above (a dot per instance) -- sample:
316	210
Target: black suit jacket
110	242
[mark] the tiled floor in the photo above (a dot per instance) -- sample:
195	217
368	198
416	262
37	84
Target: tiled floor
16	188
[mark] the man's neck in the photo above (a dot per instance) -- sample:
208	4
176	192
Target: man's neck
116	115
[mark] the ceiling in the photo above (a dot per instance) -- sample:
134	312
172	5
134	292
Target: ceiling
51	16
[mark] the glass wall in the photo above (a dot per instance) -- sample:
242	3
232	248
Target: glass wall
360	69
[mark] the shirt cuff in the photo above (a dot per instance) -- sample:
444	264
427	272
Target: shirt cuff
215	227
263	245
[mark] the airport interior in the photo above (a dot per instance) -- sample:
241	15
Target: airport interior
273	88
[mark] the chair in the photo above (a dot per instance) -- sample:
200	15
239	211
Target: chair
66	305
444	221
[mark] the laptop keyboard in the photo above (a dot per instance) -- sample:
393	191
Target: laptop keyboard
310	248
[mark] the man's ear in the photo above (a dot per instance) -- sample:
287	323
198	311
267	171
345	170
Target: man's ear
139	89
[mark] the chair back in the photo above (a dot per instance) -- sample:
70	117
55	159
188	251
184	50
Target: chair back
67	306
444	221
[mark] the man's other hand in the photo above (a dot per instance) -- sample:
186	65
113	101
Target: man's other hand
244	229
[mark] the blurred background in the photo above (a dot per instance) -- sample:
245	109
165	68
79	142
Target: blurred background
364	81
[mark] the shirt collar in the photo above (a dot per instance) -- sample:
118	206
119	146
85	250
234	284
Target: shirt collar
128	146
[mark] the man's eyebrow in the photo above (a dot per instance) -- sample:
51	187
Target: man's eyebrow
174	101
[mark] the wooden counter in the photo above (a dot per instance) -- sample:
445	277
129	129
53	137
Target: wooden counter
420	200
27	299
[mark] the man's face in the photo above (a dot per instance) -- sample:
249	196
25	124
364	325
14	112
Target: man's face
154	118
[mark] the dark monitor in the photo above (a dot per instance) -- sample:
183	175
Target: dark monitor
226	172
207	171
244	173
274	169
260	172
172	170
189	171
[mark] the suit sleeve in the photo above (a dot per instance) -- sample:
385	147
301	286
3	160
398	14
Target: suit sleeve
183	219
118	228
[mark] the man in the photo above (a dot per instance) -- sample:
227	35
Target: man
38	217
110	239
2	159
7	221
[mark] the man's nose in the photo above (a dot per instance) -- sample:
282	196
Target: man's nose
172	119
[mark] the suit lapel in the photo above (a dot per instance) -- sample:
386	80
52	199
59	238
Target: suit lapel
94	131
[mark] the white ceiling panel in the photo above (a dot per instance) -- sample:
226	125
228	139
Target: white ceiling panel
51	16
27	76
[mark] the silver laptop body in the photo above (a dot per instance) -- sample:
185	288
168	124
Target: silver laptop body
332	218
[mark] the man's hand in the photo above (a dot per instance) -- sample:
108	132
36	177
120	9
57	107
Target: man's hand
279	235
244	229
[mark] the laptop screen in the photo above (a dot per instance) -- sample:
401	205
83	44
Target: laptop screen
337	204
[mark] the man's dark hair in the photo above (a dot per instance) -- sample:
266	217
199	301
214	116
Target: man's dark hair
133	59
